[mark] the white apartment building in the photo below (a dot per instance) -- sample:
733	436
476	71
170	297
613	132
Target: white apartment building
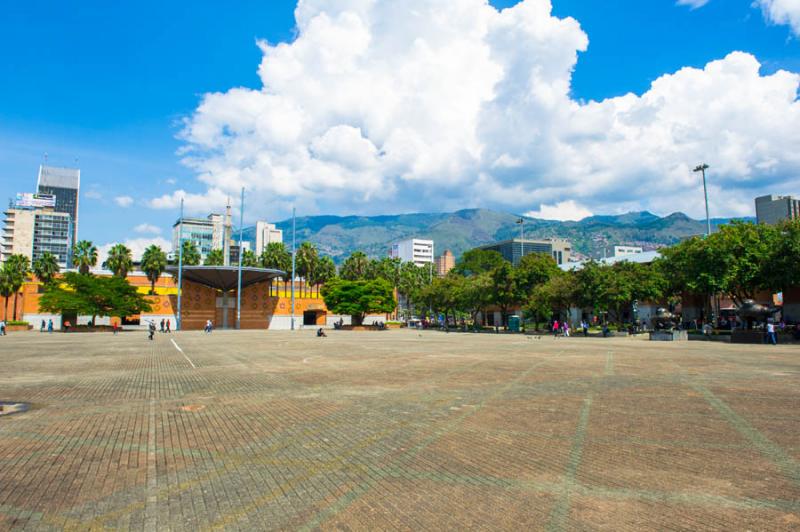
420	252
621	251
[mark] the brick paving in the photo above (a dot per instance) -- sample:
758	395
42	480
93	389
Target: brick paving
396	430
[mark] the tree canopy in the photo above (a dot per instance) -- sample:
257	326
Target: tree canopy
93	296
154	262
46	267
85	256
359	298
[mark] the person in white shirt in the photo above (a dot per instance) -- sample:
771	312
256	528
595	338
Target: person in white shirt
771	336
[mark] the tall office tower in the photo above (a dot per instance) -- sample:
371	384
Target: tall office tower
64	184
774	209
415	250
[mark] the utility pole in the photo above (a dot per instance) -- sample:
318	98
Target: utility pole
294	242
702	168
241	252
521	223
180	266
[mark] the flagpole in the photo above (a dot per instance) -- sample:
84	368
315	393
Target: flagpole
294	234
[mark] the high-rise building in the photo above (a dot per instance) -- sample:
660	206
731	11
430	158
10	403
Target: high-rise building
774	209
64	184
513	250
445	262
420	252
33	231
205	233
258	236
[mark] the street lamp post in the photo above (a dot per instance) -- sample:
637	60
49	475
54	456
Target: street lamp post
521	223
239	276
294	235
180	268
702	168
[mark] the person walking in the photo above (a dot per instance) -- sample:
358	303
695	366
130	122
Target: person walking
168	326
152	329
50	326
2	327
42	326
67	325
555	328
162	325
209	325
585	327
772	338
566	329
114	327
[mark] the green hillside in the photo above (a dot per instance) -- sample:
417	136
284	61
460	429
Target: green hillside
338	236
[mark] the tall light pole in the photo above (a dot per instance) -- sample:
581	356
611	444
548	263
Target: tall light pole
180	267
239	278
702	168
294	235
521	223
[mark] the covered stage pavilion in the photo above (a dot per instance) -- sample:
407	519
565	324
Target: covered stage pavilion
209	293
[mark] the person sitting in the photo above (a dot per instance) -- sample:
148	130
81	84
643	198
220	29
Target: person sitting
321	333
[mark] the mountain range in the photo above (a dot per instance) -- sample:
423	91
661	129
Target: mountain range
339	236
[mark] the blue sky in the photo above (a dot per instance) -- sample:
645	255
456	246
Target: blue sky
110	84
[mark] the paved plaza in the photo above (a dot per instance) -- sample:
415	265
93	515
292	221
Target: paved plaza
396	430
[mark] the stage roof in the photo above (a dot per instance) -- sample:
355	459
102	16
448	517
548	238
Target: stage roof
224	277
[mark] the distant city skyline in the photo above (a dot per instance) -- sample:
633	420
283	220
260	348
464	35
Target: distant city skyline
612	106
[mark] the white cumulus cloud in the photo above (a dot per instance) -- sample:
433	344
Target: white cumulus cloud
123	201
782	12
565	210
147	229
431	104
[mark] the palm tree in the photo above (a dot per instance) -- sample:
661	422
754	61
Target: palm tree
16	268
154	262
249	259
85	256
326	271
119	260
191	257
216	257
277	257
307	261
355	267
6	290
46	267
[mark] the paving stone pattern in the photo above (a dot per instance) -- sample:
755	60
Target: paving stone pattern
396	430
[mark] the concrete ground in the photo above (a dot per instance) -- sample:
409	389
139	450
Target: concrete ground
396	430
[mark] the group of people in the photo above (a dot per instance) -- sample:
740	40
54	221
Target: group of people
46	325
165	327
564	328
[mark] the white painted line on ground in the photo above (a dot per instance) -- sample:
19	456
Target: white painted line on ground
184	354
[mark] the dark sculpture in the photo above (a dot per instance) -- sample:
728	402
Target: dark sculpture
750	311
665	320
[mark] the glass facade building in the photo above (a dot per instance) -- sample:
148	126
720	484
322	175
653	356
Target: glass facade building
52	234
64	184
514	250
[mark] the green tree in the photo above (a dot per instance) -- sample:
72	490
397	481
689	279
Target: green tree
555	296
504	288
154	262
781	271
119	261
534	270
6	290
215	257
306	263
475	294
355	267
93	296
444	295
326	271
191	255
16	268
277	257
46	267
477	261
85	256
358	298
249	259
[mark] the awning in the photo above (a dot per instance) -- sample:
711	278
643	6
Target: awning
225	277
